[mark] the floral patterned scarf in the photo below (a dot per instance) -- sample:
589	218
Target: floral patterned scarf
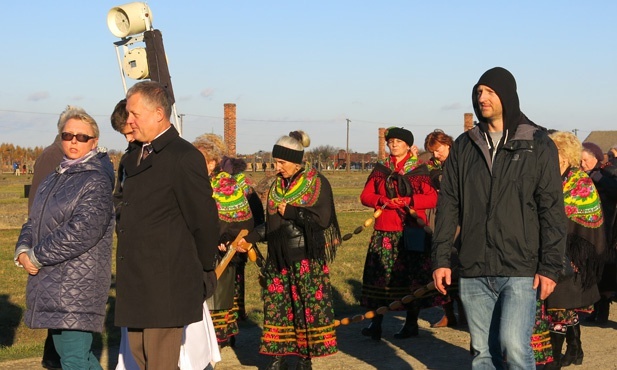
585	244
311	191
581	199
231	193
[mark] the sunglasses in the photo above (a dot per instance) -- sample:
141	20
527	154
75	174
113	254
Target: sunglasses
82	138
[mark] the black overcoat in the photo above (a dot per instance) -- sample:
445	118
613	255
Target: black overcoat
167	235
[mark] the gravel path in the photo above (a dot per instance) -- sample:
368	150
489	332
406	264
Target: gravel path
445	348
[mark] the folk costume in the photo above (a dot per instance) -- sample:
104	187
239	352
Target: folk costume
298	309
398	257
435	168
577	288
230	192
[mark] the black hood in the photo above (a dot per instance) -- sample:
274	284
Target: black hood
503	83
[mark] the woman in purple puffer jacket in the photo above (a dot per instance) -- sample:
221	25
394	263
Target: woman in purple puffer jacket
65	246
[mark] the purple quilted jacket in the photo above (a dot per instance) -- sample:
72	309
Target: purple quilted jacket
69	235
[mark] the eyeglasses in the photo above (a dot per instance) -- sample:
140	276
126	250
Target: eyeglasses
82	138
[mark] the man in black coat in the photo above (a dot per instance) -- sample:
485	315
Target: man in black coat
167	233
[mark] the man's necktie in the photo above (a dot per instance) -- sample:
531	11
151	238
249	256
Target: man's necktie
145	151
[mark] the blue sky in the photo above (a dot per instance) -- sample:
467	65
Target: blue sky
313	64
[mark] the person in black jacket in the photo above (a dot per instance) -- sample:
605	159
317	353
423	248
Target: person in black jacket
167	233
501	184
592	159
302	233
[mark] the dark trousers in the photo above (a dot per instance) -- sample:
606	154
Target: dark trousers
156	348
50	355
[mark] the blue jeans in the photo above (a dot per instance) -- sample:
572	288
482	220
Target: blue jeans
75	350
501	314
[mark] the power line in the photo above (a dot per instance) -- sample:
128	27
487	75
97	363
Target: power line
327	120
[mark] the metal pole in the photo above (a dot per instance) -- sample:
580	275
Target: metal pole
121	69
181	122
348	165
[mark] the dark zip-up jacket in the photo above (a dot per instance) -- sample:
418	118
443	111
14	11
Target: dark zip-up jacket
509	205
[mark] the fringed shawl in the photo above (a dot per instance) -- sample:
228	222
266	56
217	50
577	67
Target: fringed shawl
230	193
404	183
311	193
586	240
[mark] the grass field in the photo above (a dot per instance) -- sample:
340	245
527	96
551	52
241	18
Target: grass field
18	341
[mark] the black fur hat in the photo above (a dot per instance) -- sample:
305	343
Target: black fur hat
399	133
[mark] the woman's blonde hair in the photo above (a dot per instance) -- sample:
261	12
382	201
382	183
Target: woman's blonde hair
212	146
296	140
568	146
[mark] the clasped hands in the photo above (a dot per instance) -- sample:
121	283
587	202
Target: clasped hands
397	203
24	260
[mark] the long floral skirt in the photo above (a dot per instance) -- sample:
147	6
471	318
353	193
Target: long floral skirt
540	337
391	272
239	306
298	311
549	320
225	323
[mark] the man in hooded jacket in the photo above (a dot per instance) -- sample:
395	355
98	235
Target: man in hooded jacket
502	185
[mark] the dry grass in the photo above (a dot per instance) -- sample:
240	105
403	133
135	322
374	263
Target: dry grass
17	341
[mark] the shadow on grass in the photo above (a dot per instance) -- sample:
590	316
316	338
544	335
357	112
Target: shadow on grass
10	318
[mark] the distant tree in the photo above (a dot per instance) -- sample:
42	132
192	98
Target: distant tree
323	151
322	155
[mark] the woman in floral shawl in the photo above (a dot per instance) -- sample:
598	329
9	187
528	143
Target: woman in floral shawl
577	288
302	234
398	258
230	192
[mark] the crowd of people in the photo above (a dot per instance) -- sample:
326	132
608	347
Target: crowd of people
512	223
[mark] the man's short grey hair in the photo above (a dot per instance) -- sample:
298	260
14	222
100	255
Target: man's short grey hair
153	94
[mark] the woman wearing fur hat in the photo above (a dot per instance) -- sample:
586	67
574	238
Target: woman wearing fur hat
230	192
591	162
396	262
302	234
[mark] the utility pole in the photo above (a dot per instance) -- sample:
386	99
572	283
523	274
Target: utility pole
575	132
348	164
181	128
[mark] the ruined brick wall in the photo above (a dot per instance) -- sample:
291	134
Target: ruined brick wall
381	153
229	129
468	123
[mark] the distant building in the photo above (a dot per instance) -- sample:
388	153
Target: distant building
604	139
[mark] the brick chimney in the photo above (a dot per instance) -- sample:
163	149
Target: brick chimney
229	129
468	124
381	154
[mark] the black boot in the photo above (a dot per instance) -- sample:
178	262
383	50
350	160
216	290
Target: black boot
410	329
557	344
278	363
305	364
374	330
462	317
603	307
593	315
574	352
51	358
